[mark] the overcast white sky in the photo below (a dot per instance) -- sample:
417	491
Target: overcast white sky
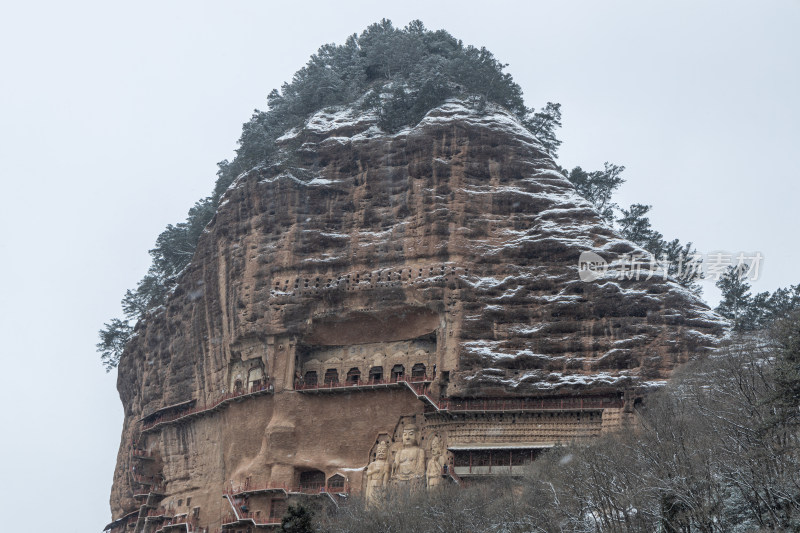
114	115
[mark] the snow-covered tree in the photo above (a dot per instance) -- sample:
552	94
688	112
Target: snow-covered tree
736	298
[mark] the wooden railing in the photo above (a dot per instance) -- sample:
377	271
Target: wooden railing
513	404
336	385
420	385
145	480
159	488
143	454
121	522
308	489
526	404
157	513
202	409
249	488
447	470
179	521
242	516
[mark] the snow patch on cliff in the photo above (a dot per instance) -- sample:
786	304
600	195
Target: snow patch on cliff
344	124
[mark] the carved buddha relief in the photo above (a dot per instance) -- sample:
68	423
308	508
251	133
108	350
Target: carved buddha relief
437	460
409	462
377	472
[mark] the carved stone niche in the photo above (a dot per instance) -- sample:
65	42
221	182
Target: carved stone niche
408	456
367	362
246	376
247	369
361	346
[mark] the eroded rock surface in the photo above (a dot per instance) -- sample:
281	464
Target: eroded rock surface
449	249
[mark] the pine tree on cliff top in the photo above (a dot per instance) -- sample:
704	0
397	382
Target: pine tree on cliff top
398	73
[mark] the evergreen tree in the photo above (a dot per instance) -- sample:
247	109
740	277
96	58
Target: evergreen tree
544	123
176	244
598	187
150	293
298	519
677	254
736	299
787	376
636	227
759	312
113	338
781	303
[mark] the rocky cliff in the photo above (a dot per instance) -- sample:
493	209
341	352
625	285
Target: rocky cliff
447	251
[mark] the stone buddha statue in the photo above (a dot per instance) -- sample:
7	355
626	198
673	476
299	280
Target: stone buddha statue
435	463
377	472
409	462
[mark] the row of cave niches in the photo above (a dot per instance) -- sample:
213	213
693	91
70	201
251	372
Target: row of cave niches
369	279
375	375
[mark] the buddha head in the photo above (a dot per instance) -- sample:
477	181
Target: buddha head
382	451
410	435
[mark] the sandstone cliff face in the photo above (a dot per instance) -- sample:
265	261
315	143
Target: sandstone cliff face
452	245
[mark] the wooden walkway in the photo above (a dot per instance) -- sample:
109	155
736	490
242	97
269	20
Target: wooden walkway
201	410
